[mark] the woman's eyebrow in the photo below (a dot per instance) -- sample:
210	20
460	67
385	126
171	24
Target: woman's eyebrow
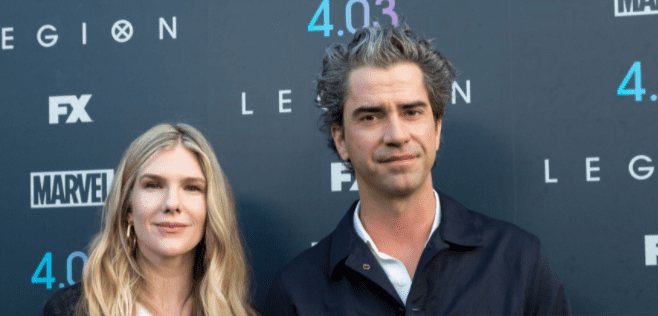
160	178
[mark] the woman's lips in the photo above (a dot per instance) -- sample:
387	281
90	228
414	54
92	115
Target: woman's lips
170	224
171	228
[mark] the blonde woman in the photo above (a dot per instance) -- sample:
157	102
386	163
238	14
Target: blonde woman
169	243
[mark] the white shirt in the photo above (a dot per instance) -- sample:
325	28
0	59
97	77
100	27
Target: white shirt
394	268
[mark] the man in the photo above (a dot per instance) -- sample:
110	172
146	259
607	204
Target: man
405	249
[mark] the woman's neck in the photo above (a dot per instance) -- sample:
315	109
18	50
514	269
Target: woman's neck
169	283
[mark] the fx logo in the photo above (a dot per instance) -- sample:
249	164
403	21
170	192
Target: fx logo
340	174
78	108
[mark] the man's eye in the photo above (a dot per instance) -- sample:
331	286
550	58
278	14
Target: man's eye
413	113
368	118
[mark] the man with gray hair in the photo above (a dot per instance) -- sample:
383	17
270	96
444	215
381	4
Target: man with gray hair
404	248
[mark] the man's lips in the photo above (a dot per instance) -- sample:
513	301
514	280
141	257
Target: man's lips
398	158
170	224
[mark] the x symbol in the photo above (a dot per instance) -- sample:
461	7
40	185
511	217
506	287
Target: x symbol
122	31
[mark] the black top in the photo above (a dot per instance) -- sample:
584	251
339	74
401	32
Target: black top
63	302
472	265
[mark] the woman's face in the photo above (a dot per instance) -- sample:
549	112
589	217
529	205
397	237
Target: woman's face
169	204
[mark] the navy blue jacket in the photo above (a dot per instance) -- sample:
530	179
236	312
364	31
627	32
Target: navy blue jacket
472	265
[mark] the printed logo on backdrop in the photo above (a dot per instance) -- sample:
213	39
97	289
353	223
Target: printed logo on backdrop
651	250
384	10
121	31
635	7
285	99
57	106
340	175
70	188
639	168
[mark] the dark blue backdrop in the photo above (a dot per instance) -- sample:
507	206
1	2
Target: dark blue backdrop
549	127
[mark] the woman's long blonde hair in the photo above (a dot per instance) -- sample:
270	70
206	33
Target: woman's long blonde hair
112	280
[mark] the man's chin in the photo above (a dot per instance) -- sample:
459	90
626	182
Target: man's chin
402	187
400	193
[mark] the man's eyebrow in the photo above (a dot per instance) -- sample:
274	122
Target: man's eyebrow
412	105
367	109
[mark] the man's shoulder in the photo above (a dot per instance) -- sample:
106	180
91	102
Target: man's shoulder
63	302
496	233
477	228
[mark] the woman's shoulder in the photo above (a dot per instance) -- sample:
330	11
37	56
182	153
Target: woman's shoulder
63	302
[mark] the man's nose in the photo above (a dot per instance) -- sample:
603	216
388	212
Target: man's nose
396	132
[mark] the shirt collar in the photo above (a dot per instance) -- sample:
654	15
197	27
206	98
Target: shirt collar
455	226
363	234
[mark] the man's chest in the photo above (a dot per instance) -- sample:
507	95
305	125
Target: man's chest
447	285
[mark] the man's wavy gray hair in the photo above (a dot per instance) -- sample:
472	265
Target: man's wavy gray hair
379	47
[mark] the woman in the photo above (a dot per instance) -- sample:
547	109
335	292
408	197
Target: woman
169	244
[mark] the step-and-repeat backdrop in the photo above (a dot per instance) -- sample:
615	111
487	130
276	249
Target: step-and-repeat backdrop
551	125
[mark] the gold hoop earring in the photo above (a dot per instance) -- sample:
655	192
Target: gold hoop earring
132	242
128	231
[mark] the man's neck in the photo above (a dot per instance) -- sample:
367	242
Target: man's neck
399	226
404	220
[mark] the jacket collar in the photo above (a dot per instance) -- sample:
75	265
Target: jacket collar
457	227
344	239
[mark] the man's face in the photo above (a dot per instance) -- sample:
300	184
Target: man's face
389	133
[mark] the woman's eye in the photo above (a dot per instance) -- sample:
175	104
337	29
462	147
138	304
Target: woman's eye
193	188
152	185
